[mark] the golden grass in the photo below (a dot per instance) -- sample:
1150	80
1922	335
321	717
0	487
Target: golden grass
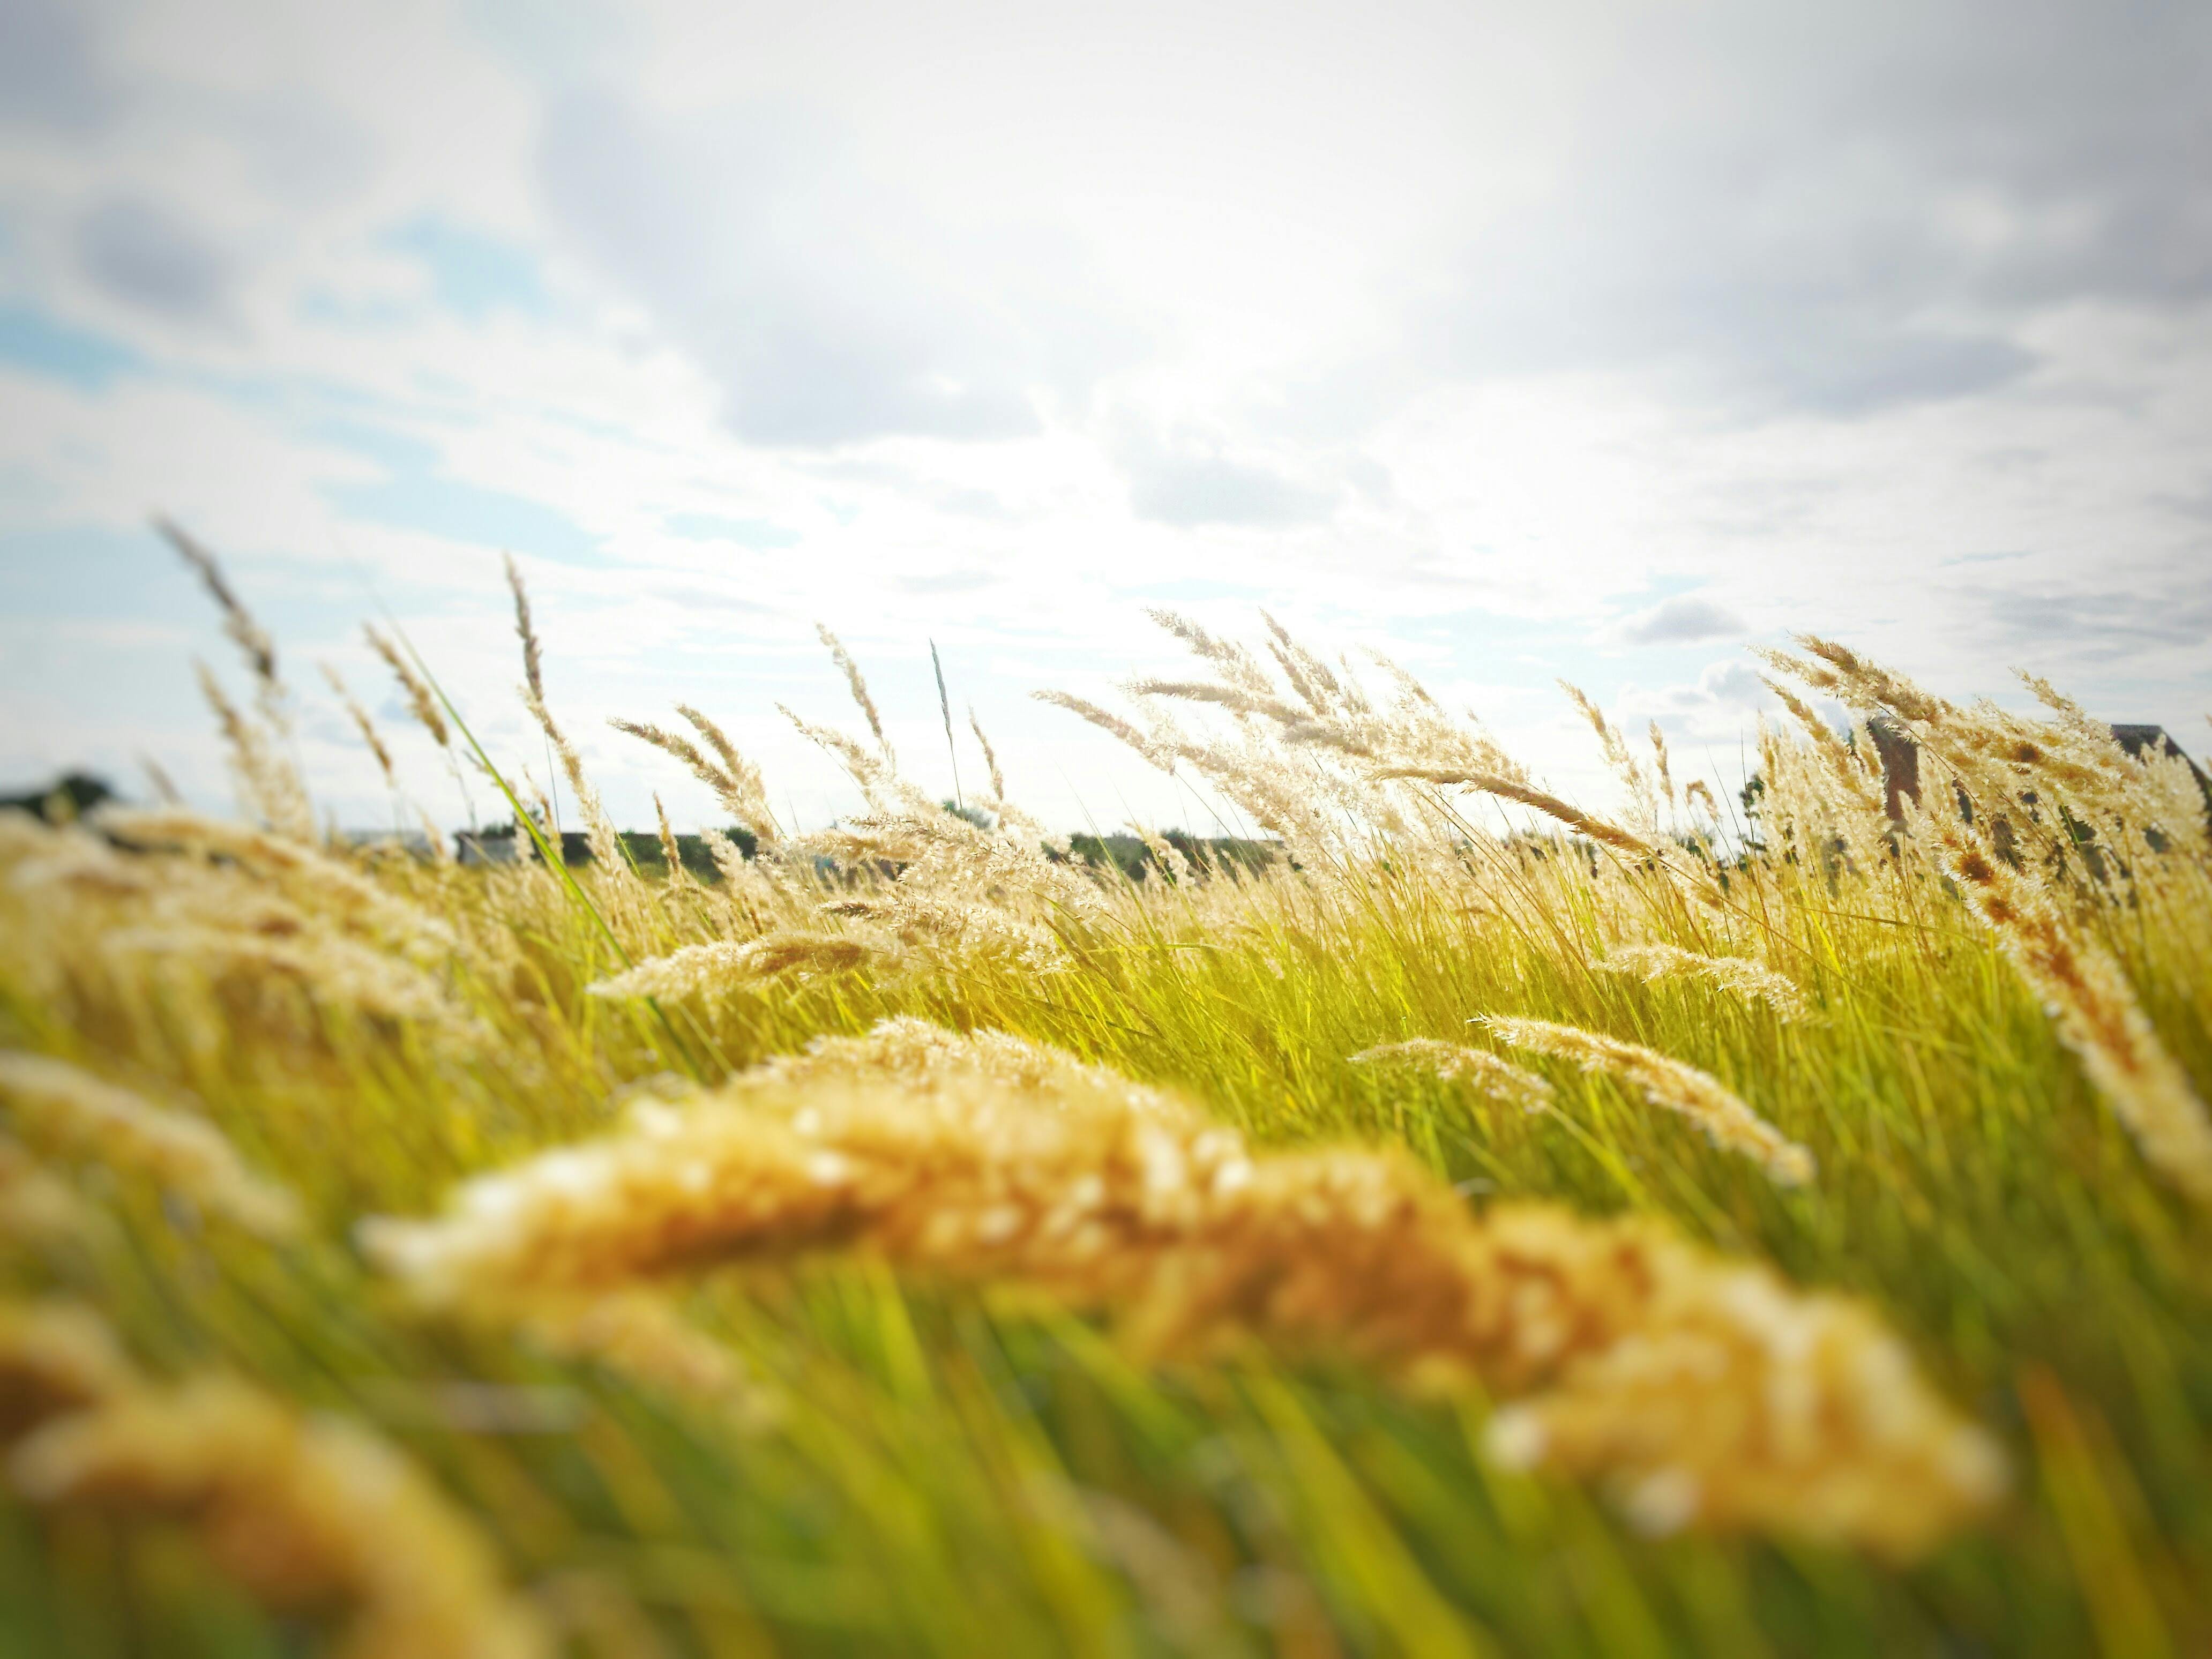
963	1250
1706	1389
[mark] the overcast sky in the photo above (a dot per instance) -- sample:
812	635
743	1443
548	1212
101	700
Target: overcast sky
1600	340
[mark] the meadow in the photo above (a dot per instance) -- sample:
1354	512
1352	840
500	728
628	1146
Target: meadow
1493	1225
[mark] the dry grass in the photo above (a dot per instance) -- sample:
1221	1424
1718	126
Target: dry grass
963	1251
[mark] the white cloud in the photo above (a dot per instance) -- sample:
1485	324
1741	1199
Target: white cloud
1467	331
1684	619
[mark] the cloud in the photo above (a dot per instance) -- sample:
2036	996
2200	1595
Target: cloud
1188	482
49	74
690	598
2103	624
1685	619
139	252
829	308
964	500
1190	490
1851	210
1734	683
945	581
1710	708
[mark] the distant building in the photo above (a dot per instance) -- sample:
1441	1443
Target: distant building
472	848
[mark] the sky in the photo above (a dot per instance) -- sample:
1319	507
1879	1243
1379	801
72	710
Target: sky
1520	341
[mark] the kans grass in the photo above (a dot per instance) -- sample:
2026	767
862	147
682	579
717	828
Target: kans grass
1495	1226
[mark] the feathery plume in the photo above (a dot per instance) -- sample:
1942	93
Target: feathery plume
362	724
2093	1007
1710	1383
1453	1062
926	1058
990	755
1158	754
533	656
600	833
1752	980
1643	804
268	784
1668	1084
36	1205
158	779
873	773
239	624
959	930
639	1334
711	969
303	1513
1550	805
329	884
1235	698
54	1105
671	854
56	1356
1237	665
945	708
735	782
422	700
858	686
740	787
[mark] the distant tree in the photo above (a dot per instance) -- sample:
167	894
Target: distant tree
65	800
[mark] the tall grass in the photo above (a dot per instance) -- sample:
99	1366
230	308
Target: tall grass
964	1251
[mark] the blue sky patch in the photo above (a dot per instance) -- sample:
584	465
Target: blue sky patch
474	274
32	340
438	505
746	532
415	496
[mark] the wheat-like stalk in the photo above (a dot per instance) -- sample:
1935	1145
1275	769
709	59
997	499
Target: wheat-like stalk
303	1513
318	880
858	686
1753	982
269	785
1743	1401
57	1106
36	1205
722	965
990	757
1643	804
307	1514
56	1356
926	1059
1158	753
1453	1062
639	1334
240	625
422	700
735	781
533	654
2091	1005
1668	1084
1550	805
362	724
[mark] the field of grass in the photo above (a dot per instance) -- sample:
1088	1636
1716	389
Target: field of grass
1875	1315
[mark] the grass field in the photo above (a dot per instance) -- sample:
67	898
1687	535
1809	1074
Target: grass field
1829	1272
